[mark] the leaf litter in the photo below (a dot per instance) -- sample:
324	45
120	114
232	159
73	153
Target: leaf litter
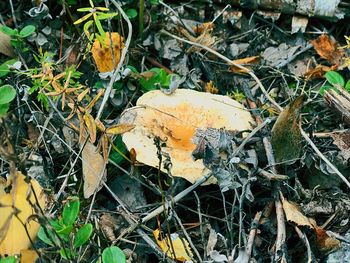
199	148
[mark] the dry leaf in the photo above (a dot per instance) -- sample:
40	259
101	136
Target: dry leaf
246	62
342	140
328	49
93	169
318	72
91	126
324	242
119	129
13	235
102	54
174	118
180	245
286	136
294	215
5	45
200	28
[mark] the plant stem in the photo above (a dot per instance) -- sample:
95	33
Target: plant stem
141	13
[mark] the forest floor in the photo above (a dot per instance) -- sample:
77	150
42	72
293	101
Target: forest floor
186	131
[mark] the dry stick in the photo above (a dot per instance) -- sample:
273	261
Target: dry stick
200	222
160	209
281	226
303	237
187	237
122	58
229	62
324	158
252	233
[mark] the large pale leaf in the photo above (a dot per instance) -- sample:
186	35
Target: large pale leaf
93	169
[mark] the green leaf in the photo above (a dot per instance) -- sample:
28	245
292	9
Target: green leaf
11	259
27	31
67	253
99	27
131	13
86	27
103	16
7	94
347	85
82	235
8	31
154	2
335	78
4	67
113	254
47	236
84	9
114	155
71	211
325	88
4	108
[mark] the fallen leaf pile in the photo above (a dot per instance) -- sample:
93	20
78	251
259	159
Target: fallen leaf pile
175	119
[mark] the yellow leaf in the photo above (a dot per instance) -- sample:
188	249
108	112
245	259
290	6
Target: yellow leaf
91	126
102	54
104	143
119	128
83	94
93	169
13	235
29	256
174	245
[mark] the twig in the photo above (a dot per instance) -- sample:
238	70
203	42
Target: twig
251	237
200	221
303	237
251	73
122	58
324	158
13	13
160	209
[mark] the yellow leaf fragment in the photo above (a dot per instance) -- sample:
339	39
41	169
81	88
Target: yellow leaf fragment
174	245
119	128
102	54
91	126
93	169
22	199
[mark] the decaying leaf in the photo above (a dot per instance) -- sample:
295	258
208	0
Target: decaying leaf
174	119
21	200
174	245
342	140
5	45
293	214
247	62
102	53
325	242
29	256
93	169
328	49
286	136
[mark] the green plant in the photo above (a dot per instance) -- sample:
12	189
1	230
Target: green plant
155	78
11	259
97	14
113	254
17	37
66	232
7	94
334	81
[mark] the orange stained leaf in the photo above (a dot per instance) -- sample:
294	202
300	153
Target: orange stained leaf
102	52
328	49
119	128
90	125
210	88
324	242
133	155
319	71
199	29
247	62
